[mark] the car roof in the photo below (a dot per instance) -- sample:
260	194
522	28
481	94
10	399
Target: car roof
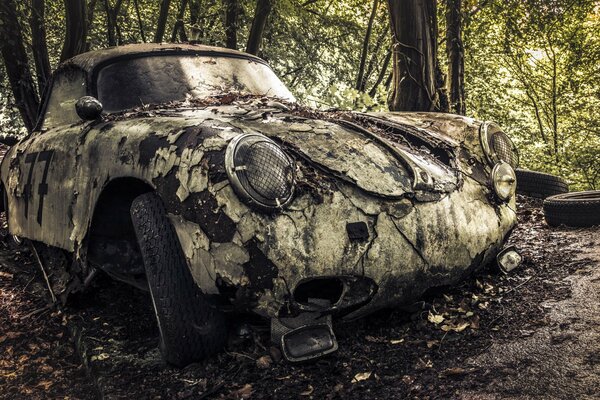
93	59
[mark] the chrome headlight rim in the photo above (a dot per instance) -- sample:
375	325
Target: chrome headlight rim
241	183
504	174
486	132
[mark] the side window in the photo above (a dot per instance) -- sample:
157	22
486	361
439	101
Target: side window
67	88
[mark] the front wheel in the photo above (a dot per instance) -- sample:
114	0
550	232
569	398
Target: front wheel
191	328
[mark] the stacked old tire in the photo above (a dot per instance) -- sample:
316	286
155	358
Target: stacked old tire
539	185
578	209
561	207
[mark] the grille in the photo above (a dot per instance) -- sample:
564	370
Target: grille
268	171
504	149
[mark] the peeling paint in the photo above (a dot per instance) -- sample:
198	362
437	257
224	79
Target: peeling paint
423	214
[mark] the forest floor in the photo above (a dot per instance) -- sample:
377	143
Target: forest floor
534	333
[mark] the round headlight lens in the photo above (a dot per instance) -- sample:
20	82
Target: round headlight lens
259	171
497	146
504	181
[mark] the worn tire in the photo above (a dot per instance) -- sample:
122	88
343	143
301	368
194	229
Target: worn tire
579	209
191	328
539	185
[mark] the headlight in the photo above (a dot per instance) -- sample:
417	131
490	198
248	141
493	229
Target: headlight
504	181
259	171
497	146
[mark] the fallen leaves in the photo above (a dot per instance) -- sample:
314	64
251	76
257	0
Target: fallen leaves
6	275
361	376
264	362
435	318
100	357
308	391
459	327
243	393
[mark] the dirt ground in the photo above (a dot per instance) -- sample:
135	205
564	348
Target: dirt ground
532	334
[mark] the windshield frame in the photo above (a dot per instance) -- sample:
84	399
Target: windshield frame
93	77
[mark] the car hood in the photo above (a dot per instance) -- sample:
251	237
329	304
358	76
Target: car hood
367	158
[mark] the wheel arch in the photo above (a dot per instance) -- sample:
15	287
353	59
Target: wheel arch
110	239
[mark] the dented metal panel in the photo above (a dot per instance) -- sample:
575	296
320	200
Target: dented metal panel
411	244
416	183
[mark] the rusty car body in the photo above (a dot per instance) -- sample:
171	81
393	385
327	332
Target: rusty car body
295	215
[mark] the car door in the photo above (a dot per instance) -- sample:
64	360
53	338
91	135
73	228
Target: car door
39	177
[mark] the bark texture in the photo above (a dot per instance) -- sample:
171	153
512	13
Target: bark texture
179	28
415	54
38	43
263	9
231	21
111	21
455	51
138	14
162	21
360	79
76	35
16	63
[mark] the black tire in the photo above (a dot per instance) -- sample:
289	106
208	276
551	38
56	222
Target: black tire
191	328
539	185
578	209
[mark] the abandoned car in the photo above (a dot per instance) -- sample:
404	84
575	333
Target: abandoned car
192	172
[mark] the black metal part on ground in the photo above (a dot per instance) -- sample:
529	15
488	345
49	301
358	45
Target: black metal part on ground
305	337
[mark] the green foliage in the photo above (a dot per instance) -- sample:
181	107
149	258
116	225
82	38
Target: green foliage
530	65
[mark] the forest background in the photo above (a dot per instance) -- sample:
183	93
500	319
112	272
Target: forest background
533	66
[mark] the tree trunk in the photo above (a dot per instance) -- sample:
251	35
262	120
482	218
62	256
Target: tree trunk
360	81
456	54
161	25
382	72
112	29
76	35
415	54
195	31
375	52
38	44
136	5
231	20
179	24
17	65
263	9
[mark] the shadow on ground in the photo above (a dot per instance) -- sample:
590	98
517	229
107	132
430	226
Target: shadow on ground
532	334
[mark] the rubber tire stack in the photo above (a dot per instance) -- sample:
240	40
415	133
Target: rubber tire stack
191	328
577	209
539	185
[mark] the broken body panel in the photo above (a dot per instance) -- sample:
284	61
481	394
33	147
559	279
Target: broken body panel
386	205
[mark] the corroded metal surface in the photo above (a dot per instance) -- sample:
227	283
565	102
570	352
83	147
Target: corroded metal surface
431	217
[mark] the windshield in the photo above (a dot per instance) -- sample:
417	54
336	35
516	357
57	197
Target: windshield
159	79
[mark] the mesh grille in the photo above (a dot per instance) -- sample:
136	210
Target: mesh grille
504	149
268	171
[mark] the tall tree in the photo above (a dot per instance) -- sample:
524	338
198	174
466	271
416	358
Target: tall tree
456	56
360	80
138	14
77	29
263	9
38	43
231	22
179	27
415	55
112	13
161	25
17	65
